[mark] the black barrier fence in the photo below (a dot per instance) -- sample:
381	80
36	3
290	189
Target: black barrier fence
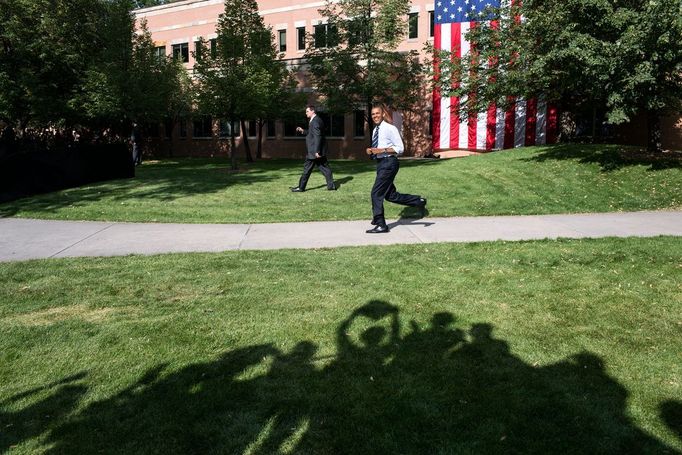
28	173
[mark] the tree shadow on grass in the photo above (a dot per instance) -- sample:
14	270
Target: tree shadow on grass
176	179
609	157
160	182
437	388
165	182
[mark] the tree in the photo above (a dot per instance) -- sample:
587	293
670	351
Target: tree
128	81
236	82
649	77
181	101
618	57
281	101
79	62
353	58
147	3
47	46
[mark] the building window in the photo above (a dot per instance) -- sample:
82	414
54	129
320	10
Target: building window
203	126
282	37
181	52
359	123
152	129
183	127
226	129
334	124
252	128
214	45
300	36
198	50
270	128
325	35
337	125
431	24
160	52
413	25
168	127
357	30
290	127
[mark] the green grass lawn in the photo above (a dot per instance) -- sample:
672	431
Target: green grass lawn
532	180
569	346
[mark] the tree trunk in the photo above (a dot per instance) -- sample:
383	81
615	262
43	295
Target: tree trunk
594	125
370	124
245	139
234	165
654	141
259	144
173	122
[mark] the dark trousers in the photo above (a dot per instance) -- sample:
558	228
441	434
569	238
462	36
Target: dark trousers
387	169
322	165
137	154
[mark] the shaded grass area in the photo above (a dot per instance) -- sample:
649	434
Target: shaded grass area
529	347
535	180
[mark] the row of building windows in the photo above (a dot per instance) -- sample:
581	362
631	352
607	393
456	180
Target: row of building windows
202	127
323	36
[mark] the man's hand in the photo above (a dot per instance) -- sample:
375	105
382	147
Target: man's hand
370	151
317	155
299	129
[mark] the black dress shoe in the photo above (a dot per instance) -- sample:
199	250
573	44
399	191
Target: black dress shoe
331	189
378	230
296	189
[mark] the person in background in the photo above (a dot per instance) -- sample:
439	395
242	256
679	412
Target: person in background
316	147
135	141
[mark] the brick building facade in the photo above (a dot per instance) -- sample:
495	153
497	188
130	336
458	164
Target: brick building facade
176	28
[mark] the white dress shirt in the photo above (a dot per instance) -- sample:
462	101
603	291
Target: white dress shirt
389	137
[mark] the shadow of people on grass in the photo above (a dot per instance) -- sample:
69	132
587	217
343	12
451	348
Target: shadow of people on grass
440	388
37	418
671	412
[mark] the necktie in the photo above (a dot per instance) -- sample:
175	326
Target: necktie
375	138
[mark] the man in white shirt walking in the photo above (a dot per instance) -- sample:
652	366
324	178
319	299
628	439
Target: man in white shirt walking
387	145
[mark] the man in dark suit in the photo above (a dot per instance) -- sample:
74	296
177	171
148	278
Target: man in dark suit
135	141
316	146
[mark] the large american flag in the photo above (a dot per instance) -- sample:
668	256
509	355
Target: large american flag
525	122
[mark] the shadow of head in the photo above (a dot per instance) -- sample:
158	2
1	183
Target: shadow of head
671	413
442	320
304	350
376	309
373	336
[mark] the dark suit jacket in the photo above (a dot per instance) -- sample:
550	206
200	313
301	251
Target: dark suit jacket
315	139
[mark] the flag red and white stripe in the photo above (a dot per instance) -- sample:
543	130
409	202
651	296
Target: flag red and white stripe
526	122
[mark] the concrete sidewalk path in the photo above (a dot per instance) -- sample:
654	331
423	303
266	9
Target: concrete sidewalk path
22	239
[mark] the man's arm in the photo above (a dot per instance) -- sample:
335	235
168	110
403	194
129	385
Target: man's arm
316	133
396	140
